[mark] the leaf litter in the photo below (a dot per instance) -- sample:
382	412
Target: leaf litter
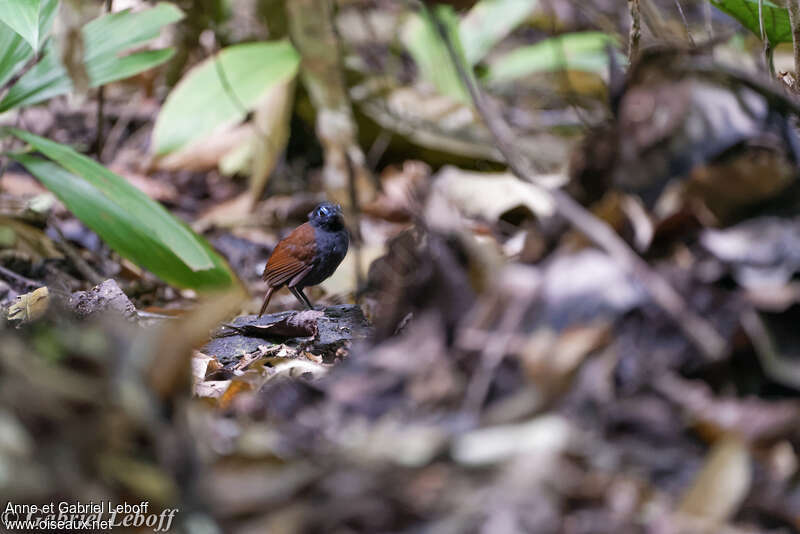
505	375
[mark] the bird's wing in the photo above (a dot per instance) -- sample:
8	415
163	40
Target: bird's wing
291	256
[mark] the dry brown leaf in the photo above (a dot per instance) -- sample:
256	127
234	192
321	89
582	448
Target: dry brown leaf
397	201
300	324
550	358
236	387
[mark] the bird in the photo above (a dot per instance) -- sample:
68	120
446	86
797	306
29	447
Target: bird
308	255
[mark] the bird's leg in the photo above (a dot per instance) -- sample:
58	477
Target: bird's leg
298	292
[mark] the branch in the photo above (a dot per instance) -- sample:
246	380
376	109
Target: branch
700	332
635	34
685	22
794	20
22	72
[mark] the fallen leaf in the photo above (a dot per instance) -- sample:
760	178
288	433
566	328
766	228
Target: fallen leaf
30	306
721	485
300	324
544	436
212	389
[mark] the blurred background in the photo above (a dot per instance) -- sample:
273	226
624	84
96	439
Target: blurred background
570	303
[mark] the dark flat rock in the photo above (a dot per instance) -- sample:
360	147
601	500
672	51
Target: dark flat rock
104	298
339	326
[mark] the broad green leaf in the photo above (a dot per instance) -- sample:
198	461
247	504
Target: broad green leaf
31	19
776	18
584	51
109	35
423	42
103	72
488	22
220	91
14	52
131	223
106	39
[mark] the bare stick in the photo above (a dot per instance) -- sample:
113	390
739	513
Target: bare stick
794	20
101	98
81	265
11	275
685	22
707	18
768	51
635	34
700	332
22	72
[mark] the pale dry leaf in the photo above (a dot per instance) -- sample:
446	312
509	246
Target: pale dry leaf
212	389
544	436
490	195
30	306
271	133
207	153
722	483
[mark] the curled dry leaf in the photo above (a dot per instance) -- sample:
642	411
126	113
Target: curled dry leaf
203	365
30	306
300	324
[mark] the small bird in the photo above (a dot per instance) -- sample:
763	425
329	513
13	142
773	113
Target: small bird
308	255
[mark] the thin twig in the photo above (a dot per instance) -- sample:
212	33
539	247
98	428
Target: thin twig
494	351
101	98
707	18
794	20
780	369
22	72
685	22
112	141
79	263
27	282
635	34
699	331
768	52
355	217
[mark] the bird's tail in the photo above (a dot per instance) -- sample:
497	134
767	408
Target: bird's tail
268	296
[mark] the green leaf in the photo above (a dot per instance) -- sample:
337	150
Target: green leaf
776	18
423	42
584	51
220	91
106	39
131	223
109	35
31	19
103	72
14	52
488	22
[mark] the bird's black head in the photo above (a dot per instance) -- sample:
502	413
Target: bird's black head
328	216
